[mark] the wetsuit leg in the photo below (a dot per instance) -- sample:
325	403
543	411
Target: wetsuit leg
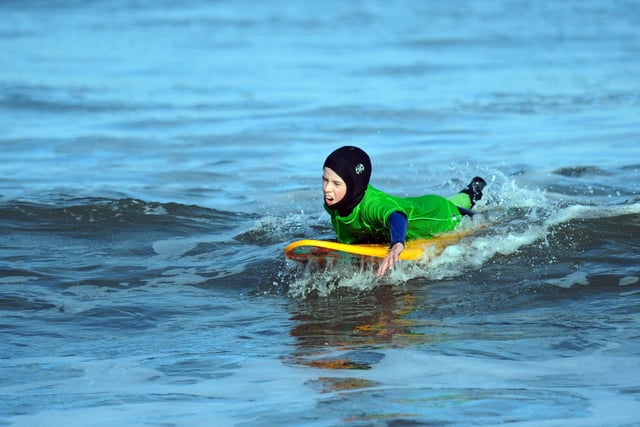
466	212
461	199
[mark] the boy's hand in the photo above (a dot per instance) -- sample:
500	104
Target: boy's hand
392	257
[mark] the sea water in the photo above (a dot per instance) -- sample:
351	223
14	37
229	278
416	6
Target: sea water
156	157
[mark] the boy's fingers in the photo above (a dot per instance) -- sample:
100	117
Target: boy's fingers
387	264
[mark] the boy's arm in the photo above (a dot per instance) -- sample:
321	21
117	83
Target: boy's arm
398	225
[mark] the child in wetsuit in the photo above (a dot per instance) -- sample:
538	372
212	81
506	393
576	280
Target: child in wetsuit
361	213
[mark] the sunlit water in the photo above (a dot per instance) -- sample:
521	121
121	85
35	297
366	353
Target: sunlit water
156	157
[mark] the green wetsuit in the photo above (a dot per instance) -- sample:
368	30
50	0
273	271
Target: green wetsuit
427	215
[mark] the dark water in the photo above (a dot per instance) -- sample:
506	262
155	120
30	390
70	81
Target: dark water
156	158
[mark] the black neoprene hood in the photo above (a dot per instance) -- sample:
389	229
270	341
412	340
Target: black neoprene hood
354	167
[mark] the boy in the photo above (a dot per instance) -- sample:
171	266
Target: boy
361	213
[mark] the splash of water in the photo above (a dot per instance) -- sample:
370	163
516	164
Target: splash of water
510	219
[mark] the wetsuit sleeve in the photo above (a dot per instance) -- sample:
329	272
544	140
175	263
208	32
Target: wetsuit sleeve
398	227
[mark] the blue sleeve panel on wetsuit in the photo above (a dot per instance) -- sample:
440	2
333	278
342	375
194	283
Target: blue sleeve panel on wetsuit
398	227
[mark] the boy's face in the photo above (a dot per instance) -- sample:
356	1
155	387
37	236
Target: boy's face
333	187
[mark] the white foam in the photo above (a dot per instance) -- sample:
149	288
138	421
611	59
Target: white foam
178	276
145	395
174	248
575	278
323	282
292	225
628	280
13	280
590	212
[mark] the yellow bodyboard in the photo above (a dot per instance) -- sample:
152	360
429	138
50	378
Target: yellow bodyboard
306	250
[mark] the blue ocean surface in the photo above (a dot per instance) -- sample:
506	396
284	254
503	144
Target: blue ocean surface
156	157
